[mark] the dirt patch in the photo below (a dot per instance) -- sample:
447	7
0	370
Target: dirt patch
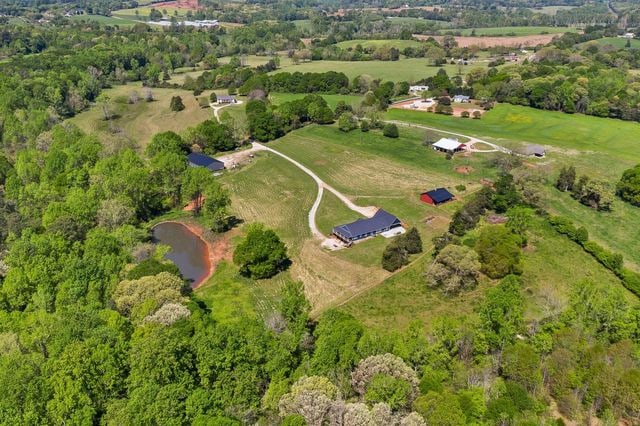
482	42
465	170
320	163
486	182
179	4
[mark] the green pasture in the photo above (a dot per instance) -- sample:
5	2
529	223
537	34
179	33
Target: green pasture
332	100
602	147
405	69
398	44
618	42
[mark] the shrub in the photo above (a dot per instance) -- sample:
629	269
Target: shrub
213	98
176	104
364	126
347	122
461	188
499	251
465	114
260	254
455	268
477	115
390	130
394	257
629	186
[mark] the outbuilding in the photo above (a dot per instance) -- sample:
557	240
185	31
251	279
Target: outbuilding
437	196
226	100
448	145
381	222
461	99
196	159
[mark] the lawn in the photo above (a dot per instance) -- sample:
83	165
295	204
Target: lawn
398	44
136	124
515	31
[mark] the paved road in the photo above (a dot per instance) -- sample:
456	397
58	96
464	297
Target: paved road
322	185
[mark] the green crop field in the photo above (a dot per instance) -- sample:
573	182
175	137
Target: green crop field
398	44
516	31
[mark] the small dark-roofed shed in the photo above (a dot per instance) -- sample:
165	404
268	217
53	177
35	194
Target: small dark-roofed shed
196	159
437	196
362	228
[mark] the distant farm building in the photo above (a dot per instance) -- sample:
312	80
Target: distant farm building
437	196
449	146
534	151
461	99
418	89
196	159
227	100
381	222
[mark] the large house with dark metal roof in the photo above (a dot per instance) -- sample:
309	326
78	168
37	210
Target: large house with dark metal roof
381	222
436	196
196	159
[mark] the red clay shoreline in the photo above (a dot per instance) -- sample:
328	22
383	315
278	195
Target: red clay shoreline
198	231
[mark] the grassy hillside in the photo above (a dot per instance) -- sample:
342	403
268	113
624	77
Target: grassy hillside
135	124
398	44
604	146
598	147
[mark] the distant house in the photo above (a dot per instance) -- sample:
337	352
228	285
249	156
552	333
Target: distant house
436	196
196	159
227	100
461	99
534	151
449	146
417	89
381	222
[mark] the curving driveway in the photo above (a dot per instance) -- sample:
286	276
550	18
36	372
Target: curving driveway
322	185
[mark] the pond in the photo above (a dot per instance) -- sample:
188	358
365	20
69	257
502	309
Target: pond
189	252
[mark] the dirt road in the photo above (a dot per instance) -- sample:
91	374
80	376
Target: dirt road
322	185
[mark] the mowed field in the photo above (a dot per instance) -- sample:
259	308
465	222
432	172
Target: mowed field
405	69
511	31
598	147
617	42
135	124
493	41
